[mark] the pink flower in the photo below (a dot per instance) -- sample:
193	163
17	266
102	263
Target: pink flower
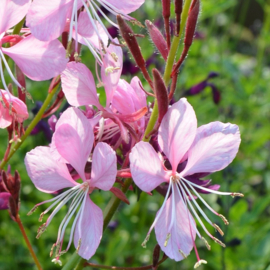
14	109
37	60
207	149
73	140
47	20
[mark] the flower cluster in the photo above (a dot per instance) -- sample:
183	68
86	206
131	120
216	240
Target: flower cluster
93	144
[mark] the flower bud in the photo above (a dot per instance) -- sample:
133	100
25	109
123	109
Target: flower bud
156	254
161	94
178	7
157	39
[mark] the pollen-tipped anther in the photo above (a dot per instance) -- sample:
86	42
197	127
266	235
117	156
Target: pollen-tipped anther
219	242
206	243
32	210
79	245
41	230
218	229
167	239
200	262
226	222
52	249
145	241
235	194
182	253
41	217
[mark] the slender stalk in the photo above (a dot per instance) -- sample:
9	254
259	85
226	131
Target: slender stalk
34	122
168	68
18	220
146	267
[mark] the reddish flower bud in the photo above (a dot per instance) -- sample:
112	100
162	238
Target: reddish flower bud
161	94
166	12
157	39
119	194
131	41
178	7
156	254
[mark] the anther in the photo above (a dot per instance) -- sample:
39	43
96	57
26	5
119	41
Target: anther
79	245
57	261
219	242
52	249
58	246
114	56
226	222
110	70
167	239
197	264
32	210
41	217
41	230
235	194
218	229
182	253
77	57
145	241
206	243
135	22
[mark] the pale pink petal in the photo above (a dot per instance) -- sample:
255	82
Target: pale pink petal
5	117
78	84
75	118
214	148
47	19
111	69
141	96
12	12
38	60
89	229
72	147
19	106
47	174
146	168
177	131
181	230
123	98
104	168
86	30
126	6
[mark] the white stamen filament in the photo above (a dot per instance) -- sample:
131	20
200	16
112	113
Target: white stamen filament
74	9
197	205
203	201
173	218
3	79
207	189
93	51
193	210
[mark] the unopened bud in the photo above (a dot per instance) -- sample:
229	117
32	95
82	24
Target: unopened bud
161	94
156	254
178	7
13	210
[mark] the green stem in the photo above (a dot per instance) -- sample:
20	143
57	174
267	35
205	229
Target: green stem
30	127
18	220
168	68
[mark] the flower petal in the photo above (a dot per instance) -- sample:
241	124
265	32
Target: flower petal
104	167
141	96
74	146
5	117
146	167
4	199
126	6
89	230
86	30
181	230
12	12
38	60
47	174
215	146
75	118
47	19
177	131
79	85
111	69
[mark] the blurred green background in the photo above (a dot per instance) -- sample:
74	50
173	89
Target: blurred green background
235	42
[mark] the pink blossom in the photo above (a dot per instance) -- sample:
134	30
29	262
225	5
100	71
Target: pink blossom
206	149
11	109
73	140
